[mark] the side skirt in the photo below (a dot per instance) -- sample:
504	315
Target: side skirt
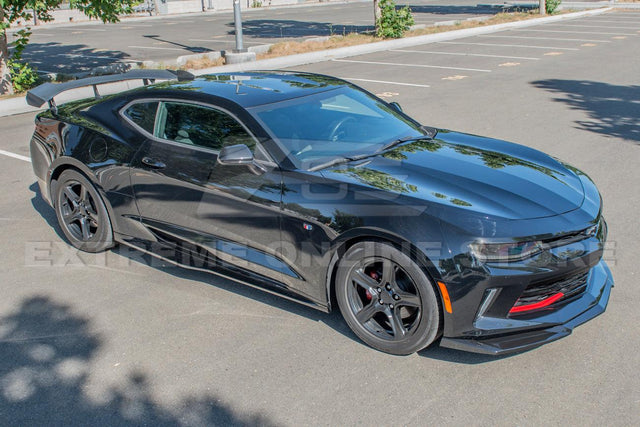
220	269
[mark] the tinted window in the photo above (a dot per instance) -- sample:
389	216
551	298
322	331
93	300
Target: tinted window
201	126
143	114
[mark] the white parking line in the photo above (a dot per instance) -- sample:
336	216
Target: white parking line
511	45
578	32
85	29
601	26
465	54
383	82
546	38
410	65
156	48
602	21
15	156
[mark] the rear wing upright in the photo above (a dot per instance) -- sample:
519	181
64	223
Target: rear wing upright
45	93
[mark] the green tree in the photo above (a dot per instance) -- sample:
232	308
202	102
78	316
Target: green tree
12	11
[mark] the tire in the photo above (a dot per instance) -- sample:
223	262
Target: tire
81	213
386	299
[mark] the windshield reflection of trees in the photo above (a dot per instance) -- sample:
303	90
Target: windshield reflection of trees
378	179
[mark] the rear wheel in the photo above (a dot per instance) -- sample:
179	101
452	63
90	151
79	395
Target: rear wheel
386	299
81	213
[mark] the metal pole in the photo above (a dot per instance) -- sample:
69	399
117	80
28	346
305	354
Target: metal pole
238	22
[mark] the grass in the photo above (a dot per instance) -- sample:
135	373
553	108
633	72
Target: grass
333	42
196	64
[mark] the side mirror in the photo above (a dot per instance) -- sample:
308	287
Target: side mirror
235	155
396	106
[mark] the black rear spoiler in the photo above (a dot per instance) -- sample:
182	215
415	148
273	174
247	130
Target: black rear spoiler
38	96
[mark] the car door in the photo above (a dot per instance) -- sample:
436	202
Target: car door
185	196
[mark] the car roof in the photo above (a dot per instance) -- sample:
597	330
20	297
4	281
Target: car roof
250	89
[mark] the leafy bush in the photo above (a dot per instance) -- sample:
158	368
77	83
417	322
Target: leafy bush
552	5
23	77
393	22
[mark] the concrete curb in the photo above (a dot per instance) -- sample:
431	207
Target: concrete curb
325	55
19	105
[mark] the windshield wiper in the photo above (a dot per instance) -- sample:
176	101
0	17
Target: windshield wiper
394	143
334	162
399	141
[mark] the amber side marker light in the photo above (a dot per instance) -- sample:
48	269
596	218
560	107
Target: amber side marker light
445	297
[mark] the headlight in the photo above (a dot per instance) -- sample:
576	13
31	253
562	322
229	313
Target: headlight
505	252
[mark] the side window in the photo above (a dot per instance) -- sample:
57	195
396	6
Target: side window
202	126
143	114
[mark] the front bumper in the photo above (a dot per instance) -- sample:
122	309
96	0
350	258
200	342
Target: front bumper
544	329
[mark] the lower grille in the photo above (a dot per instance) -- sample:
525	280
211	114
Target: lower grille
556	292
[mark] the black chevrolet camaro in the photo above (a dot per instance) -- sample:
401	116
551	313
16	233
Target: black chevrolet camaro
310	187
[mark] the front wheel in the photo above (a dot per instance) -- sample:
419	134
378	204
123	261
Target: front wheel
81	213
386	299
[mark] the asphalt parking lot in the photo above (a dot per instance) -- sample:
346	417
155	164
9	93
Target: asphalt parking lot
121	339
81	47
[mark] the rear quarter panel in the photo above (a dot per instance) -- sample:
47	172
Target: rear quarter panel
81	136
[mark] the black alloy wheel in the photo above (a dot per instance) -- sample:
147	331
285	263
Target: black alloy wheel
81	213
386	299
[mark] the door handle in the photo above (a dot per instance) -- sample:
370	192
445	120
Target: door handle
153	163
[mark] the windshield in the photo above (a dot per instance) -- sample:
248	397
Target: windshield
339	123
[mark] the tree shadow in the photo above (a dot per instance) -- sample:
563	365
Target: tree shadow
192	49
280	28
612	110
46	353
62	58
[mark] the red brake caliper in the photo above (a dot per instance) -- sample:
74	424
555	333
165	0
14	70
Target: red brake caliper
374	276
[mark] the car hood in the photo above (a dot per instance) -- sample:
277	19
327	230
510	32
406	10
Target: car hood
487	176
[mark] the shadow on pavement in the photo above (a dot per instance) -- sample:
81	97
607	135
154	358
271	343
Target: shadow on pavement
57	58
192	49
612	110
46	353
274	28
46	211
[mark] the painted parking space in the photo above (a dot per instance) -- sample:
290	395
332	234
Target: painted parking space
414	71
